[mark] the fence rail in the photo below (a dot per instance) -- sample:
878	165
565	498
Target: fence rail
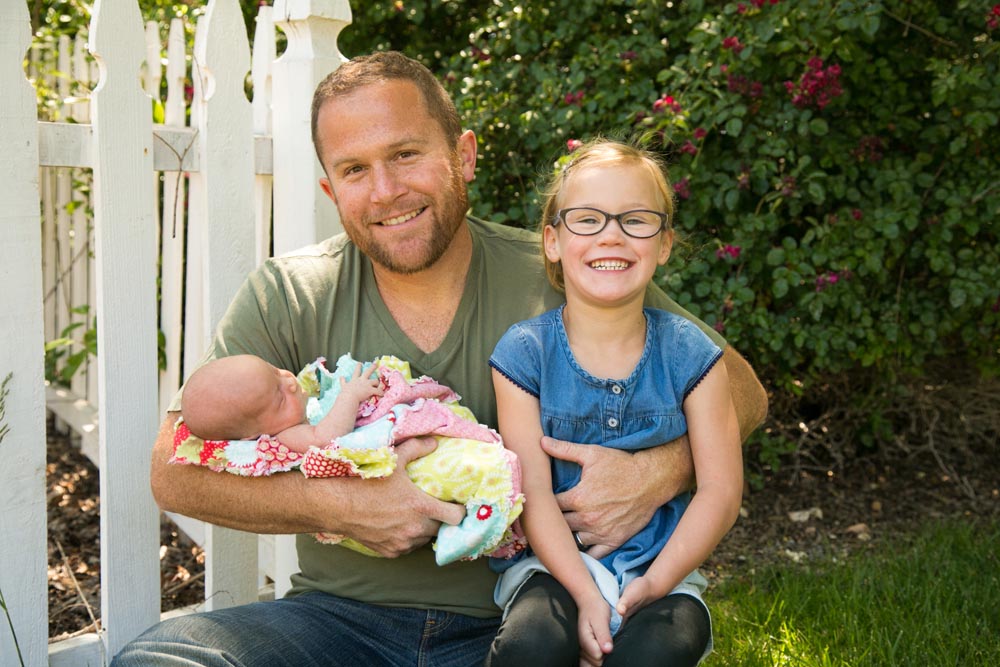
139	228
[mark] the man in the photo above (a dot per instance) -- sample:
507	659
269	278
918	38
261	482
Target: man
416	278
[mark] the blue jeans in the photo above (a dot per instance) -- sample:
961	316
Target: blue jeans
313	629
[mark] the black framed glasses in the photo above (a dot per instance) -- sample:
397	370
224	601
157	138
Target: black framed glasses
639	224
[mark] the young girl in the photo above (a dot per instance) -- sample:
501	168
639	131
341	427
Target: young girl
604	370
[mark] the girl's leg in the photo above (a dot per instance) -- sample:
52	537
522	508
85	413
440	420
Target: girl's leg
540	627
671	632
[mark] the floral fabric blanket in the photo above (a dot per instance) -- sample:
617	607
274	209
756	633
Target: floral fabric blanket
470	465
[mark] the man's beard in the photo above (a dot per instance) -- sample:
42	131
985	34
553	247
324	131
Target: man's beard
447	219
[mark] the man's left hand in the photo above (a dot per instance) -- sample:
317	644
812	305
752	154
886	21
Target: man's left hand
613	500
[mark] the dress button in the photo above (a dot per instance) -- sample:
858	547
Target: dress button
612	422
616	389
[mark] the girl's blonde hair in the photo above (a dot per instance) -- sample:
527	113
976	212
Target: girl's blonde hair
600	152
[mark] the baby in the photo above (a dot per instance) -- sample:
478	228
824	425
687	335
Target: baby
242	415
242	397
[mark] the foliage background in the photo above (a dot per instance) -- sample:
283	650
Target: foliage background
836	174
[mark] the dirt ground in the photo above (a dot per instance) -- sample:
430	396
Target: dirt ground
784	520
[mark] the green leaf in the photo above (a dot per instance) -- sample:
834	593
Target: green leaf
734	126
819	127
779	288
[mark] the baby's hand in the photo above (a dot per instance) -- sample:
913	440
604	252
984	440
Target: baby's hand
361	386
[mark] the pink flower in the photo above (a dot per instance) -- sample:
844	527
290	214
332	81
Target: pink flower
699	133
732	43
829	278
628	55
817	86
741	8
683	188
719	326
667	102
728	250
689	148
573	144
574	98
856	213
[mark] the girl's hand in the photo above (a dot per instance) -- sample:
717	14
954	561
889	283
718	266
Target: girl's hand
594	628
361	387
637	594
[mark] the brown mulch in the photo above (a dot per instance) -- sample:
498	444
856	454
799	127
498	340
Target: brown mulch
787	519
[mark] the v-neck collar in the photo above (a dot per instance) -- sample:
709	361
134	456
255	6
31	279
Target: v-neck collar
427	361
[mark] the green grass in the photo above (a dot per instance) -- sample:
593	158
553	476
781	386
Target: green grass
930	599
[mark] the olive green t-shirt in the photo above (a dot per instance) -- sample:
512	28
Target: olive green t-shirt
323	301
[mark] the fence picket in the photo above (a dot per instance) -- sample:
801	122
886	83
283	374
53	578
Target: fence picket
126	319
222	61
302	213
172	238
80	225
23	549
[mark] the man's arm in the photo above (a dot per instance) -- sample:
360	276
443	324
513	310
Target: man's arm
292	503
619	491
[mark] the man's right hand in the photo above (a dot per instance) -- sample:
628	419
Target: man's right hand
391	515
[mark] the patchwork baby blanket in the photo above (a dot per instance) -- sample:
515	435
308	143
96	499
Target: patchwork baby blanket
470	465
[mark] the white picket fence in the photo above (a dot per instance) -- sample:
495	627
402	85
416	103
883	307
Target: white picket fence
214	179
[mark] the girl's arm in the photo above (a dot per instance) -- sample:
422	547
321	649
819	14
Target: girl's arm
714	434
548	535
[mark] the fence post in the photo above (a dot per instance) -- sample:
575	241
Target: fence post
264	48
172	239
80	286
23	551
125	235
222	60
302	213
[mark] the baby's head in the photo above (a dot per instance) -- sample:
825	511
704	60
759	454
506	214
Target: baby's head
241	397
598	156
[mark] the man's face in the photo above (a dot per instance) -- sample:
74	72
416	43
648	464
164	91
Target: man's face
398	183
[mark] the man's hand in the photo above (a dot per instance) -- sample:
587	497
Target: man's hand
391	515
618	491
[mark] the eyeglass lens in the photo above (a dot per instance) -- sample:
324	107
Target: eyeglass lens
589	221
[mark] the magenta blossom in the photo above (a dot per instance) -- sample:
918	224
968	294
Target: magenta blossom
573	144
733	44
689	148
667	102
728	250
700	133
831	278
683	188
817	86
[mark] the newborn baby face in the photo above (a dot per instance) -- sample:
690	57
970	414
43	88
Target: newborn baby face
282	402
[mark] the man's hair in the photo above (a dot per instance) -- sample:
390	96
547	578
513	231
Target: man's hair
387	66
602	152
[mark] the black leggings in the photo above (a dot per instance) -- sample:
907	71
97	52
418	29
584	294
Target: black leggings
541	630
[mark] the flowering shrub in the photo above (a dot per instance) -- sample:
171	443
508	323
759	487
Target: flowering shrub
834	162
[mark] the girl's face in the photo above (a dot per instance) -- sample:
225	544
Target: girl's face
609	268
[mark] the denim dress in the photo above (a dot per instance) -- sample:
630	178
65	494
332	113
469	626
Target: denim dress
639	412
